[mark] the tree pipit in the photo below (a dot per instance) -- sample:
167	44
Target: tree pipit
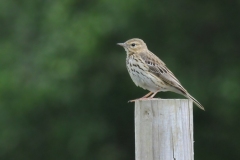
151	73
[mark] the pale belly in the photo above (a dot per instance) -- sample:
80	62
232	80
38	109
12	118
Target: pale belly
142	78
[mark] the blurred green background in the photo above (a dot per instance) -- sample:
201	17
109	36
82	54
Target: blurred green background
64	86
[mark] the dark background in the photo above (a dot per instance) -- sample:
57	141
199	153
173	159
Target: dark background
64	86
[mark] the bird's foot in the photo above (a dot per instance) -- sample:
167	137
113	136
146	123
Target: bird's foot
149	98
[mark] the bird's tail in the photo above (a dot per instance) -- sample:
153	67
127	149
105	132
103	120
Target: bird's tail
195	101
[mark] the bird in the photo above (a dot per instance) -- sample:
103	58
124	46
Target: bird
150	72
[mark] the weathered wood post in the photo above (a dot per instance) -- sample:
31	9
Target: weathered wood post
164	129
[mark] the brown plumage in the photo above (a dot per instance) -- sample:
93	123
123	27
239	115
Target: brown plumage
151	73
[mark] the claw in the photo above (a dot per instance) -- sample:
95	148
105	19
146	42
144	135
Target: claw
137	99
149	98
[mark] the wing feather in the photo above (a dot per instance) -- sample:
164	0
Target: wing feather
159	69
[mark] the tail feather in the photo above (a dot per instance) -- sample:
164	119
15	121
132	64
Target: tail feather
195	101
182	91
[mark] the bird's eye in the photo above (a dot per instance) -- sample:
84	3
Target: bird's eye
133	44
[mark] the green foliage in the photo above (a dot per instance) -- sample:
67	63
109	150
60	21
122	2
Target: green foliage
64	86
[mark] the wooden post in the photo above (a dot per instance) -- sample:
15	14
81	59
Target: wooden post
164	129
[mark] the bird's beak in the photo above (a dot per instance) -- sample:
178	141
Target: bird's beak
121	44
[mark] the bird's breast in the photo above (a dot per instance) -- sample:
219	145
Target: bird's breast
140	75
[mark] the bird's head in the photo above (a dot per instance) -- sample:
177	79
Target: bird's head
134	45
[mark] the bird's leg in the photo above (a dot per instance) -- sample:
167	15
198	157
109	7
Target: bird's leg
144	97
153	94
147	95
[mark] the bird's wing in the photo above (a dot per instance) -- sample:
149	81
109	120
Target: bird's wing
159	69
